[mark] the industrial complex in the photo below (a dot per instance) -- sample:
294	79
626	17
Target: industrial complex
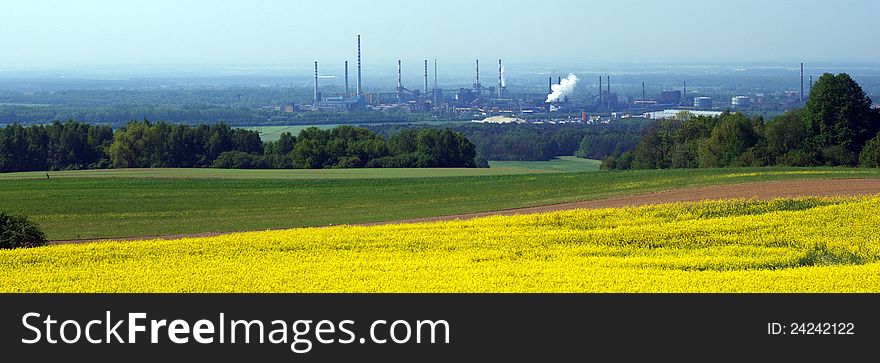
481	100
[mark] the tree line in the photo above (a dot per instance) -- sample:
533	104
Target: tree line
541	142
142	144
836	127
58	146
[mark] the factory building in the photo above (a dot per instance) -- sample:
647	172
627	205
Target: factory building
609	100
741	102
345	103
670	97
339	104
703	103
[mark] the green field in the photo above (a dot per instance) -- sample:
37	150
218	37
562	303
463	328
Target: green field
137	203
210	173
272	133
566	164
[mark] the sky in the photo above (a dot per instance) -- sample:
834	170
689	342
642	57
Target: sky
43	33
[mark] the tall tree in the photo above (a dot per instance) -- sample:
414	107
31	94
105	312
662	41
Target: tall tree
839	114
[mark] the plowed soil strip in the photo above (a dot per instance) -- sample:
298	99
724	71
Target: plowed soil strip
760	191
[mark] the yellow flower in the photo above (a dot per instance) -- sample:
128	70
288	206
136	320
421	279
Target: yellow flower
785	245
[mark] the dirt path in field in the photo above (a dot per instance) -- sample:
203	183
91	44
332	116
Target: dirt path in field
761	190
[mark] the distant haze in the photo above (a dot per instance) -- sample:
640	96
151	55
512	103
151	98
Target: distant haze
42	33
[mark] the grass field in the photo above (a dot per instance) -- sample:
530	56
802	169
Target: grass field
566	164
795	245
130	205
210	173
563	164
272	133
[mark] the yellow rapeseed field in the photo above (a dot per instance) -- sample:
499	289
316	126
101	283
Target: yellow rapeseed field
792	245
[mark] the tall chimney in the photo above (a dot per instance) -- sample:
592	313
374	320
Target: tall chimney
477	85
426	78
435	82
316	82
609	85
550	87
399	84
359	67
600	90
644	93
347	95
500	78
559	80
684	93
802	81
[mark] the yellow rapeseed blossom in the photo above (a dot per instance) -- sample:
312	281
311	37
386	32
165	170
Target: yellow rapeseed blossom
786	245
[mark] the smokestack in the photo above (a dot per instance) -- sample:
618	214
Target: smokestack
316	82
609	85
561	91
558	80
426	78
550	85
399	83
477	85
600	90
500	75
644	94
359	67
683	101
347	94
802	81
435	82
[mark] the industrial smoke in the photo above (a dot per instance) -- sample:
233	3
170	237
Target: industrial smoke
563	89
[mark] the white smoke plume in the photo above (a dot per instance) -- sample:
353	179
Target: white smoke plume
563	89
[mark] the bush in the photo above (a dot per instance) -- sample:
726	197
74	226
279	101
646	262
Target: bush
16	232
399	161
870	156
753	157
239	160
797	158
349	162
618	162
481	162
610	162
836	155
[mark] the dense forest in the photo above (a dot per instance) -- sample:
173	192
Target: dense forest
74	145
58	146
539	142
836	127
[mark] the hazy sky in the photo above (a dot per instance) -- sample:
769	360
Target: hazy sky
264	32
